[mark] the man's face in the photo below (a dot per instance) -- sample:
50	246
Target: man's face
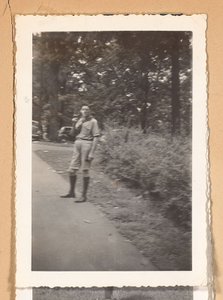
85	111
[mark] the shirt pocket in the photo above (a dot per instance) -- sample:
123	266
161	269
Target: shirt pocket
87	128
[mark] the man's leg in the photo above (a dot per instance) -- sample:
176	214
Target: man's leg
71	193
73	168
85	164
86	179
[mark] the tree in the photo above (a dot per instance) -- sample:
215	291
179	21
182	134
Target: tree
128	78
51	51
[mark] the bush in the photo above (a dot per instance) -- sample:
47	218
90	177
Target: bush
155	165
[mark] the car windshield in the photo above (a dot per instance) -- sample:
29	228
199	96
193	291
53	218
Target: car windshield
65	129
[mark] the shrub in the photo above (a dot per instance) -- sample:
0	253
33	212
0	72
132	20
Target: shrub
155	165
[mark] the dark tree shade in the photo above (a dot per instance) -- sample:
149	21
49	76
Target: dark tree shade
175	83
132	79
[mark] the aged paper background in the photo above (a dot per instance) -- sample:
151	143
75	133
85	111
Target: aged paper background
215	64
25	277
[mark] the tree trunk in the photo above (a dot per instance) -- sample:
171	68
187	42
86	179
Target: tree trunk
143	118
144	104
61	120
54	126
175	121
41	98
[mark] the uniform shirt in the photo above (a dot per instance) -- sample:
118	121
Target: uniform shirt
89	129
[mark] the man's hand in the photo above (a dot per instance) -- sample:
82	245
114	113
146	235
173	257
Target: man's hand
74	120
82	120
79	123
90	157
93	147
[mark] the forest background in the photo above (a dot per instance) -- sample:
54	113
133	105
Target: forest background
130	79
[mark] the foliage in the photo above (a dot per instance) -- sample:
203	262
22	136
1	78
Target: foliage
126	77
156	166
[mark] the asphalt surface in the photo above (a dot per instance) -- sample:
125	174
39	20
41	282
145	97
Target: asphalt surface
68	236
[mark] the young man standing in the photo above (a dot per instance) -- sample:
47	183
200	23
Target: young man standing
83	152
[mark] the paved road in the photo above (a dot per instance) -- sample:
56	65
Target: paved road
68	236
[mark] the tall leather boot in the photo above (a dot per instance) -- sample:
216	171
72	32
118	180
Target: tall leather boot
85	188
71	193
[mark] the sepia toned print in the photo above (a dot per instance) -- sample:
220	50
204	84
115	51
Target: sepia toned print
115	136
138	87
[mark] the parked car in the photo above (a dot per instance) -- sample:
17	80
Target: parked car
64	134
36	133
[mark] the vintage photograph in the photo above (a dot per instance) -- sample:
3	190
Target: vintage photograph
113	121
112	149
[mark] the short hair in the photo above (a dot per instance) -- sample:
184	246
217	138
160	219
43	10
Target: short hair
85	105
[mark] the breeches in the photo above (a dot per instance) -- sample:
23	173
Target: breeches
81	151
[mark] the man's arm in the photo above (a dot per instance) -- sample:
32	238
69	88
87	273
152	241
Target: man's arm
96	134
73	130
93	148
79	124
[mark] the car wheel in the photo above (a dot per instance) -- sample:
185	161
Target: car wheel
63	138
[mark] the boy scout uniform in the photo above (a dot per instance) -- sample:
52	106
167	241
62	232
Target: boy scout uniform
83	143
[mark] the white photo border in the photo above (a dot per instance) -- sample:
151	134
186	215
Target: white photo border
25	27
